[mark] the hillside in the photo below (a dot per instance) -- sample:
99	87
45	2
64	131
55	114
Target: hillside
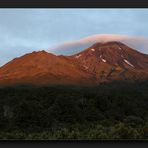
102	62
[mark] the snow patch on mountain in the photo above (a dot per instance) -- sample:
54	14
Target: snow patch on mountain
86	67
78	56
126	61
92	49
104	60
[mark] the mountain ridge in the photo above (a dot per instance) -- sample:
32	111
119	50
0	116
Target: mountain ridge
101	62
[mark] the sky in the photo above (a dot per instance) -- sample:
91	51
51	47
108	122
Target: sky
27	30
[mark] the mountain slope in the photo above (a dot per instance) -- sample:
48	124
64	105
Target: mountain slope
102	62
104	59
43	68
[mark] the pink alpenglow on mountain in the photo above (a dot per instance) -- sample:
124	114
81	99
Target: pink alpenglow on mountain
101	62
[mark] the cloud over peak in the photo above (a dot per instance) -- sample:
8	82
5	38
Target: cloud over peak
136	42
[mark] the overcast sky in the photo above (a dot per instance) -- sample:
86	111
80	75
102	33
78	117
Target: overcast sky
25	30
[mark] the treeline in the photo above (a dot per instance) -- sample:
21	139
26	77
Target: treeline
118	110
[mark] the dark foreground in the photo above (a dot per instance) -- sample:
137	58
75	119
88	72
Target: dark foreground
118	110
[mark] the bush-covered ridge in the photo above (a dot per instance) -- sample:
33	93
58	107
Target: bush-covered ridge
109	111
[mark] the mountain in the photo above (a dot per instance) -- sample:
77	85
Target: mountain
68	48
101	62
42	68
113	61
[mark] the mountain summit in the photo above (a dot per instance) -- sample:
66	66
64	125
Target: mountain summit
72	47
102	62
113	60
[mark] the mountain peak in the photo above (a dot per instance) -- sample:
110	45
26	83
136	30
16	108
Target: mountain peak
39	52
108	43
101	62
73	47
112	53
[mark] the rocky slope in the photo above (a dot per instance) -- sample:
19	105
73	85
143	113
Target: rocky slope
102	62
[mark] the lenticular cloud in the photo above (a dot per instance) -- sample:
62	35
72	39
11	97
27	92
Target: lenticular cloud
68	48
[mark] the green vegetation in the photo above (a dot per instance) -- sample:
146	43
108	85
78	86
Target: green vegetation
118	110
